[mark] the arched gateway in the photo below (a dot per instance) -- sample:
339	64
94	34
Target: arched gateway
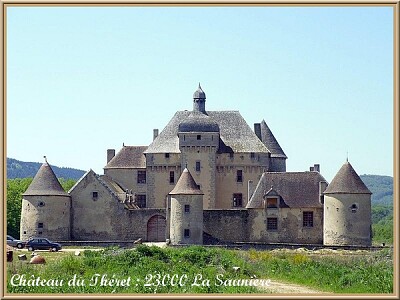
156	229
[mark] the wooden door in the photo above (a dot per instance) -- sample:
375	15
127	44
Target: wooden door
156	229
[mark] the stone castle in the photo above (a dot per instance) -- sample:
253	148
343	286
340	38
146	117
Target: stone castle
207	177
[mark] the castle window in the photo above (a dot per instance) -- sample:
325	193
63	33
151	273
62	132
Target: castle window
354	208
95	195
231	155
186	233
252	155
198	137
187	208
141	177
40	225
272	223
272	203
171	177
166	155
239	176
141	201
308	219
237	200
41	204
198	166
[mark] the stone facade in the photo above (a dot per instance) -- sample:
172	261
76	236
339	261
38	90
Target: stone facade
239	191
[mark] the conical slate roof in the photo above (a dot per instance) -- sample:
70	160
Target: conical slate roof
270	141
45	183
186	185
199	93
347	181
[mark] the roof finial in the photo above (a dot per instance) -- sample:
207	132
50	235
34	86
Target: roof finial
45	158
199	85
347	156
186	166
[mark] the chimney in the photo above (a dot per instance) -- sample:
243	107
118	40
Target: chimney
322	187
257	130
155	134
110	154
316	167
311	169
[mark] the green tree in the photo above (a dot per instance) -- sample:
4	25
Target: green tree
15	189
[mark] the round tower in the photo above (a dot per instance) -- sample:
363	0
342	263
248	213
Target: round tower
45	208
347	210
186	219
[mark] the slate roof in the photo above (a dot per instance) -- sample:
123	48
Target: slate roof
270	141
186	185
198	122
128	157
45	183
235	133
297	189
199	93
347	181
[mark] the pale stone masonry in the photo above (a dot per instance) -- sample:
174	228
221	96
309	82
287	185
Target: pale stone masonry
206	177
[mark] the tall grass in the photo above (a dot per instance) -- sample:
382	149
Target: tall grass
162	270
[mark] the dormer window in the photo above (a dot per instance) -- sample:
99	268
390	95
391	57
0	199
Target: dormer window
272	202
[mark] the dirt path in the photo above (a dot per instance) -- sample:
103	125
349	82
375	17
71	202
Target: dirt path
277	287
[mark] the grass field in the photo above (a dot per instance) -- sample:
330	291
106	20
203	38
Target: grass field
197	269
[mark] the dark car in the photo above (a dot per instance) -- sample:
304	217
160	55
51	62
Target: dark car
14	242
42	244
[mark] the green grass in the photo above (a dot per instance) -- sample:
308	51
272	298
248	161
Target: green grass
370	272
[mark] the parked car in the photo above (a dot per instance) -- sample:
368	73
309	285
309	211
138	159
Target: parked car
42	244
14	242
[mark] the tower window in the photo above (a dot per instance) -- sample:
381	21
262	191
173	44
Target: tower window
239	176
354	208
95	195
308	219
166	155
198	166
231	155
40	225
198	137
41	204
141	177
141	201
237	200
186	233
272	223
187	208
171	177
252	155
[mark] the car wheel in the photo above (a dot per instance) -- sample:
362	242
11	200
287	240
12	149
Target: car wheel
30	248
19	246
54	249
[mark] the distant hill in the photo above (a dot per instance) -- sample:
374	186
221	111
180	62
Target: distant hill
381	188
21	169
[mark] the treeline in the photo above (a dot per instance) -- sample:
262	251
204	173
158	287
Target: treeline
21	169
15	189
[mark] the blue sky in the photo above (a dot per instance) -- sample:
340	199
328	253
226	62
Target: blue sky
81	80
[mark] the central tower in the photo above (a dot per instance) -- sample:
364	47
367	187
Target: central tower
198	142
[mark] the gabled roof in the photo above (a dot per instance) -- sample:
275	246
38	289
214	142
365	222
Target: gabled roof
297	189
186	185
347	181
235	133
128	157
45	183
270	141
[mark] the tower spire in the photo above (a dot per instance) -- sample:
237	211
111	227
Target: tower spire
199	100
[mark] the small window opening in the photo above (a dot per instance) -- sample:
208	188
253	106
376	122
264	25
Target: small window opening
166	155
198	137
354	208
272	223
187	208
141	201
198	166
41	204
272	203
40	225
237	200
171	177
95	195
239	176
186	233
308	219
